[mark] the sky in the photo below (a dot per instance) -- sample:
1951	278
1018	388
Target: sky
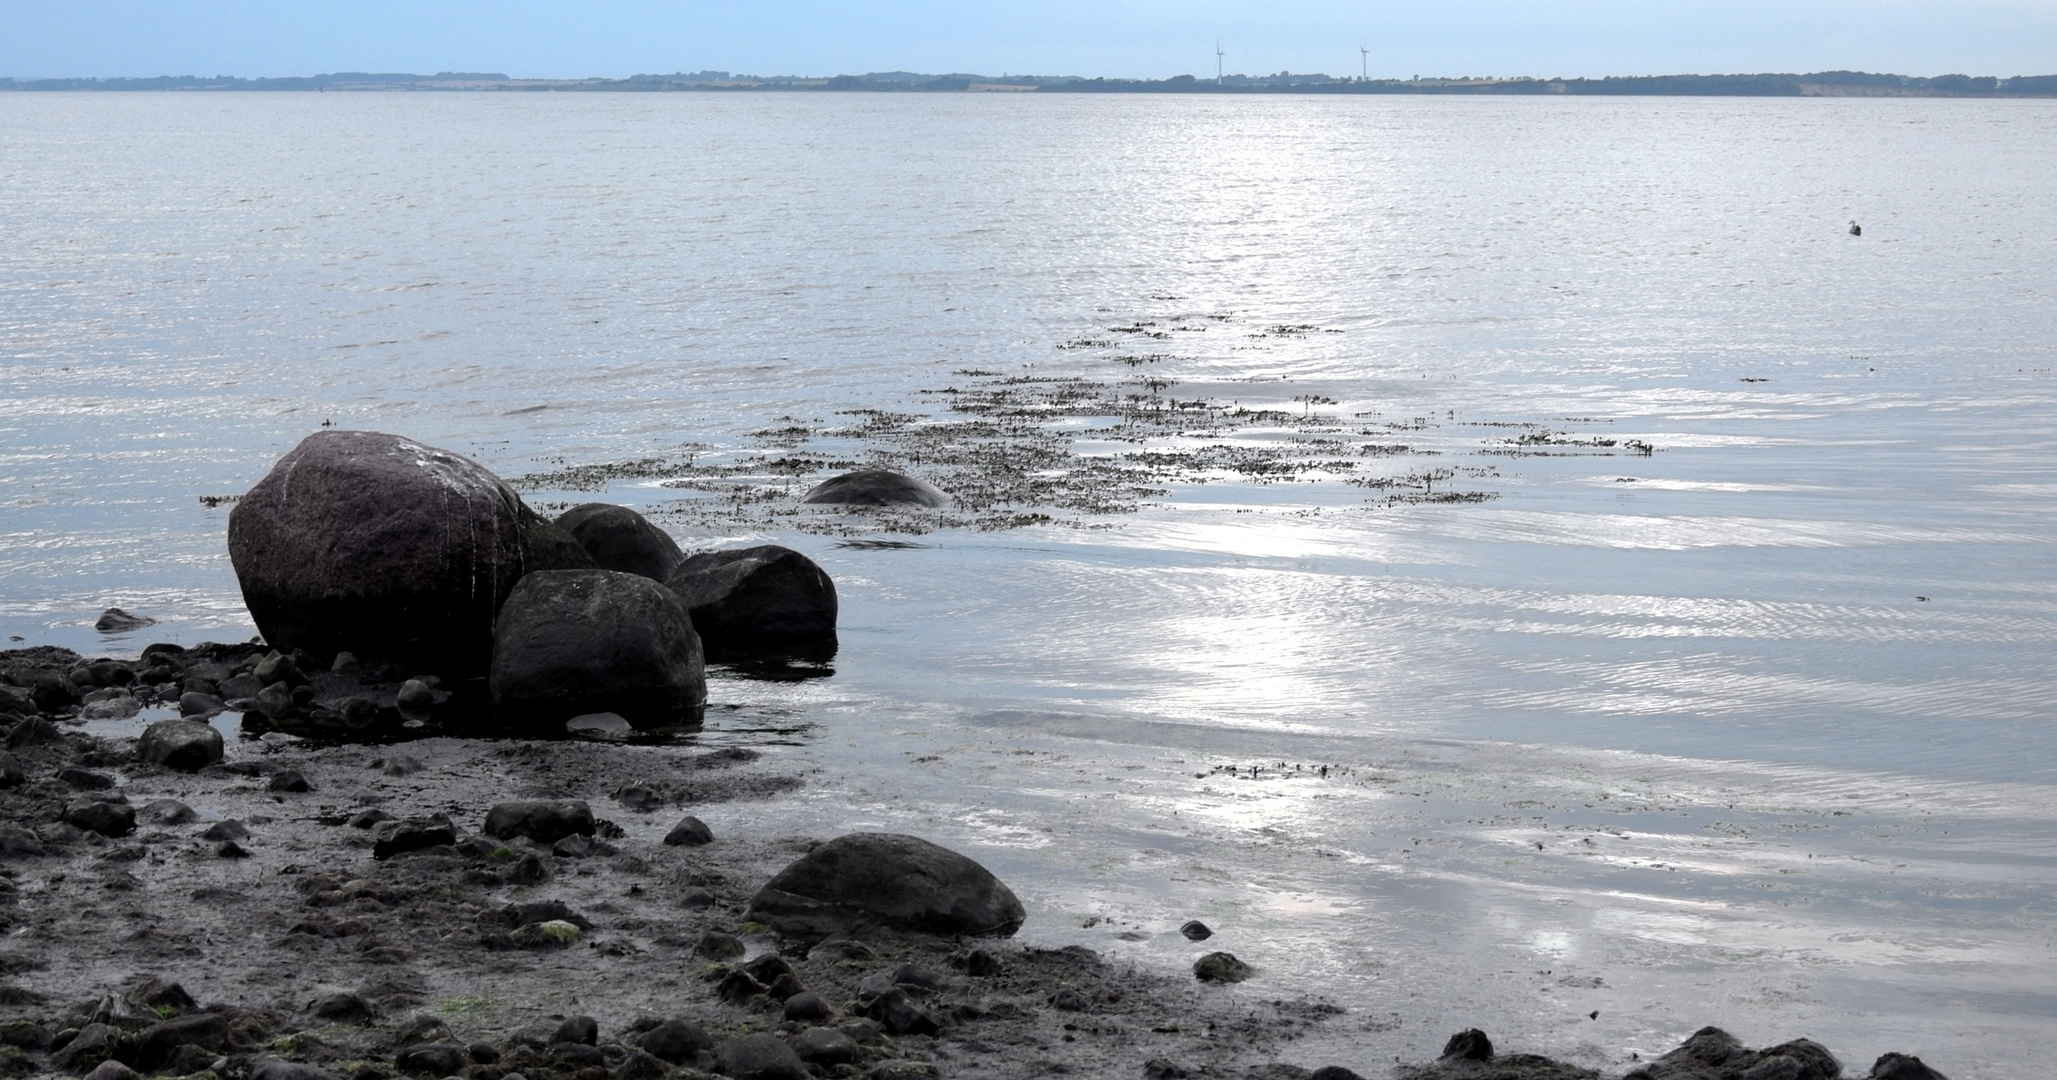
1126	38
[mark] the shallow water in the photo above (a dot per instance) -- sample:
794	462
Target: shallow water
1789	674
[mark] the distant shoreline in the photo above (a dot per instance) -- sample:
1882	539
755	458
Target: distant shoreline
1817	84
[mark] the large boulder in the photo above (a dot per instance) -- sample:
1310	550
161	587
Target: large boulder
876	487
866	880
184	745
620	539
572	642
758	602
370	543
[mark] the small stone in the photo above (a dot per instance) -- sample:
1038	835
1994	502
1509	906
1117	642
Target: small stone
824	1046
1471	1044
1164	1069
689	832
638	1065
1902	1067
226	829
715	945
17	842
554	934
116	621
1334	1072
677	1040
274	1069
579	847
289	780
26	1034
640	798
344	1008
34	731
737	987
365	819
543	821
278	667
432	1059
108	818
528	870
422	1029
112	1070
535	911
1221	967
981	963
900	1015
577	1029
1195	930
275	700
11	773
809	1007
412	834
483	1053
229	849
1069	1000
85	779
415	696
181	745
696	899
346	664
192	703
760	1057
401	765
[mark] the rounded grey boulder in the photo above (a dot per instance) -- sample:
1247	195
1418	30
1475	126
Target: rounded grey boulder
863	880
379	545
572	642
876	487
760	1057
759	601
540	820
618	538
184	745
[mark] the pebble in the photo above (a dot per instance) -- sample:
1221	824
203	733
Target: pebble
290	780
1470	1044
343	1008
640	798
1195	930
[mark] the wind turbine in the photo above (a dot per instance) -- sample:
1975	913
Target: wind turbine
1364	56
1218	54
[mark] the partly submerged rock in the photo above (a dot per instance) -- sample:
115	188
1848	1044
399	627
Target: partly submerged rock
379	545
617	538
885	879
572	642
876	487
766	601
116	621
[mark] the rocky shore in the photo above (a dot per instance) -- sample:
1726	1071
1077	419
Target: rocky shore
431	848
301	909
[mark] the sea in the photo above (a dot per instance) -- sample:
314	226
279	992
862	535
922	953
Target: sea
1714	684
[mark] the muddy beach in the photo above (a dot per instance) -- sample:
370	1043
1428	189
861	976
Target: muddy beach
253	912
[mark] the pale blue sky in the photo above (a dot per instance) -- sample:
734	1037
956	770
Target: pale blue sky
1153	38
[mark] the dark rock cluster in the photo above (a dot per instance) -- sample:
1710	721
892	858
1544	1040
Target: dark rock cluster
417	561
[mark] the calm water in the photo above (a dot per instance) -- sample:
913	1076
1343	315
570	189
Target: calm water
1755	730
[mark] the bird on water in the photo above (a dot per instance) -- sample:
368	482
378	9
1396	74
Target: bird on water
1856	229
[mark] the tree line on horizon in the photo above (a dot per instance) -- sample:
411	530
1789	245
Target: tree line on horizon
1817	84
